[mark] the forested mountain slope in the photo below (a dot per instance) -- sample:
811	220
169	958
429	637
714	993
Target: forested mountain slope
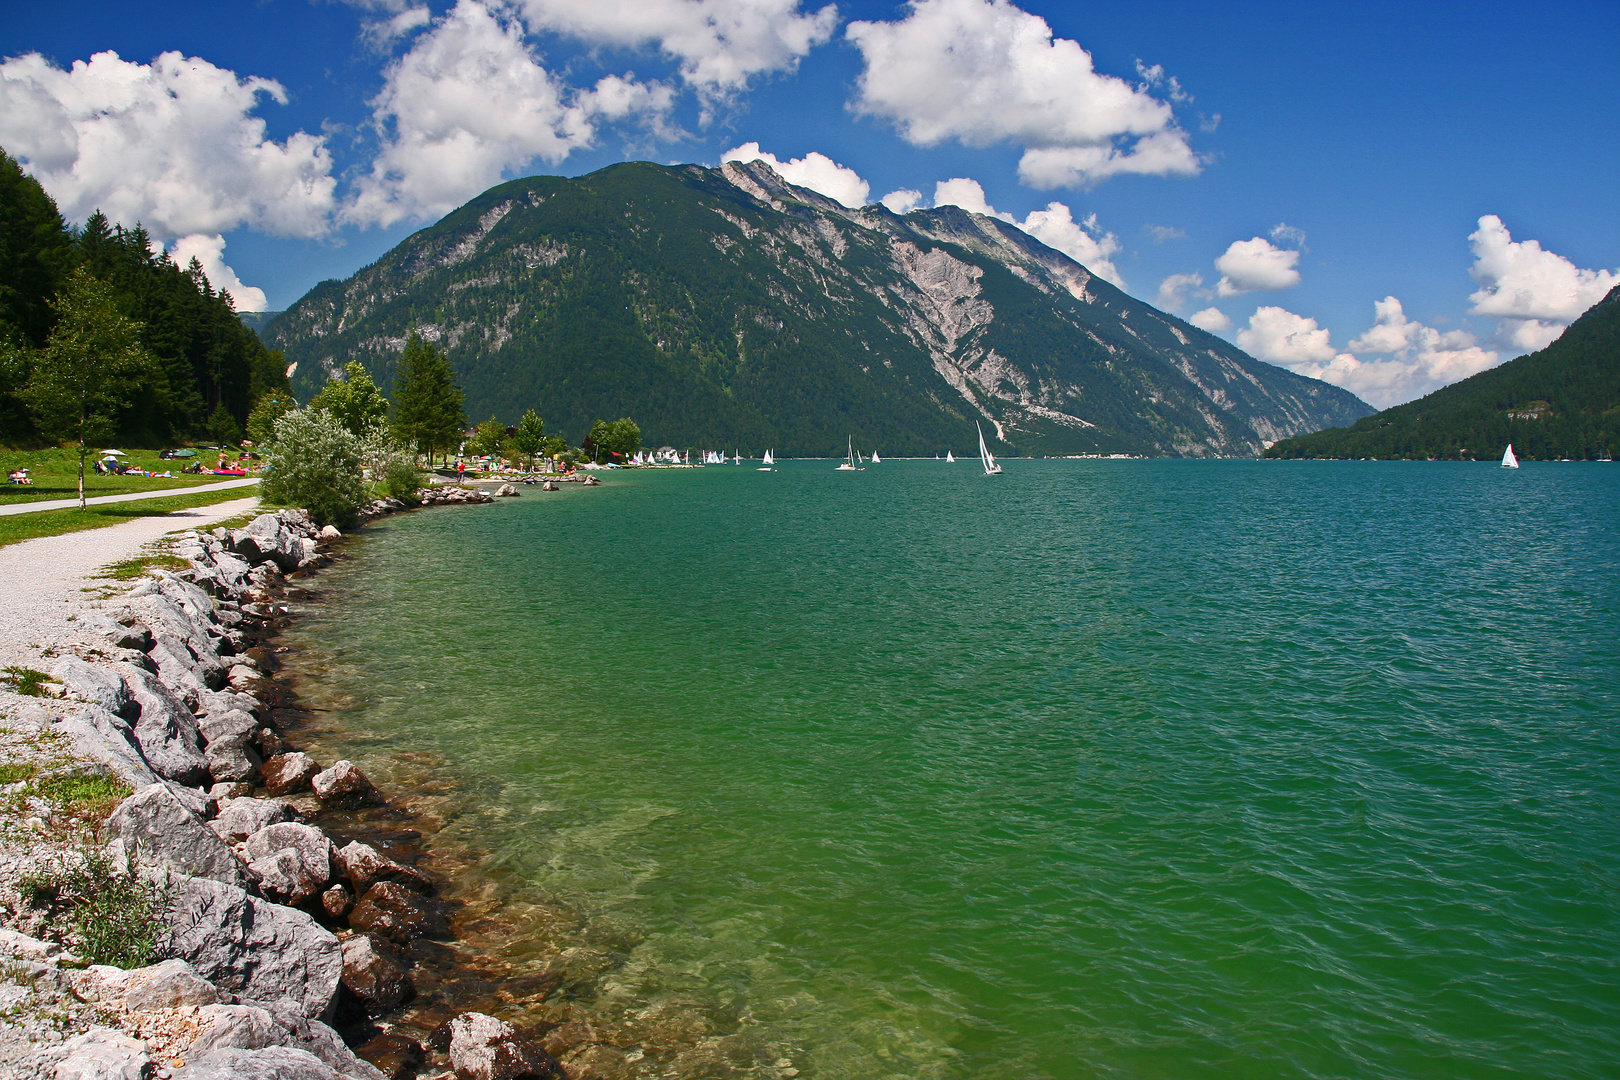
727	307
1561	402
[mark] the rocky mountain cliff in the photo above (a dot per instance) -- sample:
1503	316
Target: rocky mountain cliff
728	307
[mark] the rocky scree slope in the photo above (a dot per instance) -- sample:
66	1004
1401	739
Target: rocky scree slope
728	307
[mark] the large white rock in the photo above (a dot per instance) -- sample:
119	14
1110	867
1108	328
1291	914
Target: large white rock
239	819
271	1063
156	828
167	732
252	1027
255	949
96	684
293	861
168	985
103	1054
98	735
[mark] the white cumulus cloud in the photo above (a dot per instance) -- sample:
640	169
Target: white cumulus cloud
1535	292
1278	336
719	44
1256	264
209	251
815	171
470	100
902	200
984	72
173	144
1212	319
1173	290
1084	241
1400	359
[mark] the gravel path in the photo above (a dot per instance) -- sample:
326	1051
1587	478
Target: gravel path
44	581
97	500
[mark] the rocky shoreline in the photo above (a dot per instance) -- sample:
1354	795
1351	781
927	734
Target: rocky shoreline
277	933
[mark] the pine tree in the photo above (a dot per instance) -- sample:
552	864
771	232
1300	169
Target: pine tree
427	401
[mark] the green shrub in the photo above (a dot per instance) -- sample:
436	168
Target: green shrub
109	917
315	463
114	917
394	472
26	681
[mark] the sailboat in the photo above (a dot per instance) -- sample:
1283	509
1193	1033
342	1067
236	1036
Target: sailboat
848	465
985	456
949	457
875	459
770	460
736	456
1509	461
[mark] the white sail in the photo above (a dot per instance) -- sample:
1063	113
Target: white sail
769	458
949	457
1509	459
985	456
875	459
848	465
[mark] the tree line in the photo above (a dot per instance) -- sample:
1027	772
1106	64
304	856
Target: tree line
178	364
1561	402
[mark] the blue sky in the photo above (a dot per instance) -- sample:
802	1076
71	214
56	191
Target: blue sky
1388	196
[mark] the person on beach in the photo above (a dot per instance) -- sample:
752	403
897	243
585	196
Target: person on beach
461	470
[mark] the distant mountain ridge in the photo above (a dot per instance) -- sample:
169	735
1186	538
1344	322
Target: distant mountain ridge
1561	402
728	307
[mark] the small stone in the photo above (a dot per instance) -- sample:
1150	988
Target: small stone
395	912
484	1048
345	787
365	865
330	532
285	774
375	972
337	900
396	1055
230	789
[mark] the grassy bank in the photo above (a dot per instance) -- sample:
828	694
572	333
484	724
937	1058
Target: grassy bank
55	474
56	522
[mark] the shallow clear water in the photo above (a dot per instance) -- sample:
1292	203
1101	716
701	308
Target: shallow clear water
1095	769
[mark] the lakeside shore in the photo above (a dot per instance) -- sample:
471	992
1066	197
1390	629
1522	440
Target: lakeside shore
291	904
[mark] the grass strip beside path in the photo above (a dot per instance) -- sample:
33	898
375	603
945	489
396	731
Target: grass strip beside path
56	522
55	472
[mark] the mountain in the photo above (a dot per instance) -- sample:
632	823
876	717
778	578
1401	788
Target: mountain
726	307
1561	402
257	320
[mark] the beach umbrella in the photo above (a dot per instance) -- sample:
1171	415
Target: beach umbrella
187	452
113	453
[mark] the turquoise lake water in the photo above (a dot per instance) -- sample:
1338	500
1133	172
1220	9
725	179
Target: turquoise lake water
1095	769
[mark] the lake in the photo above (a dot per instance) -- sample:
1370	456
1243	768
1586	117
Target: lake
1134	769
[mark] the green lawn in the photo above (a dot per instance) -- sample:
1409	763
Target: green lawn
56	474
17	527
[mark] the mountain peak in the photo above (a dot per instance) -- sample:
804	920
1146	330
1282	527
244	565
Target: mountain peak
730	306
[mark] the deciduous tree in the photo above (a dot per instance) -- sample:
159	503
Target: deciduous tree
88	368
353	400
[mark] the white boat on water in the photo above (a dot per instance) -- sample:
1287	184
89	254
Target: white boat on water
1509	459
949	458
769	463
985	456
848	464
875	459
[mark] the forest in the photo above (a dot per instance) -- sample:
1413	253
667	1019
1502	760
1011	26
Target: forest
200	369
1562	402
